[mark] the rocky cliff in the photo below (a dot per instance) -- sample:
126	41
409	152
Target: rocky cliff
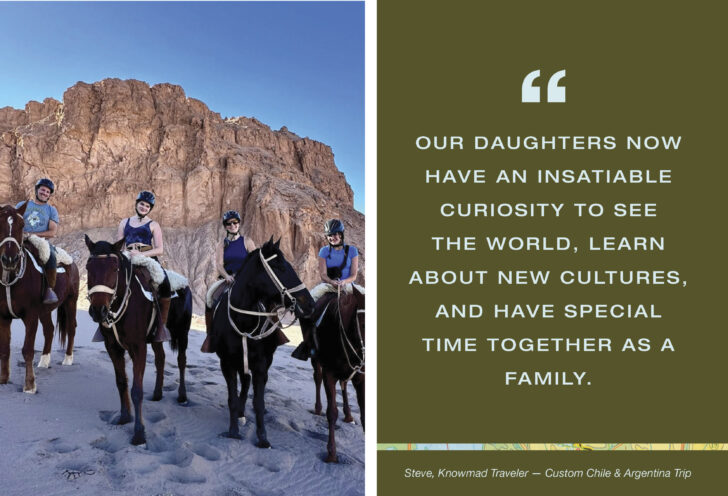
108	140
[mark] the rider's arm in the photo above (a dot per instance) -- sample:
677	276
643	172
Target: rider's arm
50	233
120	230
157	241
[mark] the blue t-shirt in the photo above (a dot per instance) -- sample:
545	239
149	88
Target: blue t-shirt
37	216
337	256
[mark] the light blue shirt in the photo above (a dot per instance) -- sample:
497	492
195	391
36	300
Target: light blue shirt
38	216
337	256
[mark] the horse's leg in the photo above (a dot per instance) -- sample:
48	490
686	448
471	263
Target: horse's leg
47	322
231	378
4	351
358	382
317	377
70	305
347	410
182	364
31	326
332	413
245	381
260	378
159	357
138	353
116	353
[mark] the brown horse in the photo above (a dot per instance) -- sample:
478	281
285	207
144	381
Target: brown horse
117	293
21	282
339	343
318	377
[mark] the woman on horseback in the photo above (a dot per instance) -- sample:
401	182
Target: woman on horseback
338	267
143	236
230	253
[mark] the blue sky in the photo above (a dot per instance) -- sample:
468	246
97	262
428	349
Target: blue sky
294	64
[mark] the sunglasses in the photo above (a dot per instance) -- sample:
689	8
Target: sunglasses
232	223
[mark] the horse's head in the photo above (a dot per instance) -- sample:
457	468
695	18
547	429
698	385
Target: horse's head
11	235
103	267
270	279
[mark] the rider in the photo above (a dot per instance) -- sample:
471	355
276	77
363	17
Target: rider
143	236
338	267
41	219
230	254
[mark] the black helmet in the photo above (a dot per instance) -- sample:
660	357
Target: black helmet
333	226
146	196
230	214
45	182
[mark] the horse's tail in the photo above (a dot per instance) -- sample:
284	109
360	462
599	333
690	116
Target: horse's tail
66	316
182	318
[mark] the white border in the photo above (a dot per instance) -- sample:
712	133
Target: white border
370	168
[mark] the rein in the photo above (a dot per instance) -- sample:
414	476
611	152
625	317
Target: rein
349	349
5	273
269	325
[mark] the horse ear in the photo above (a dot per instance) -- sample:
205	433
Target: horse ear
278	244
89	243
119	245
21	210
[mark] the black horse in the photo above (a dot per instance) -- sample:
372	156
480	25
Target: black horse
339	342
244	328
118	301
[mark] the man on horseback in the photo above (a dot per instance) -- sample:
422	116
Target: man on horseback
41	219
338	267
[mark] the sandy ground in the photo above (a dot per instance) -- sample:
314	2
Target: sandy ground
63	439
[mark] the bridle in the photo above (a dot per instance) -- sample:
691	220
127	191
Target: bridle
270	324
112	317
6	271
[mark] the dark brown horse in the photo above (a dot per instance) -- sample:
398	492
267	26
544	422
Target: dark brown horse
339	342
118	293
21	285
318	376
244	332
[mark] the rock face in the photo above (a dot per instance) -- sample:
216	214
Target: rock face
111	139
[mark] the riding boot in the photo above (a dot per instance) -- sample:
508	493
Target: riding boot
98	337
162	333
50	298
304	350
206	346
281	338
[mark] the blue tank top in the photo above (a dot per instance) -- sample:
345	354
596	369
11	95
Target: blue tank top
234	255
141	234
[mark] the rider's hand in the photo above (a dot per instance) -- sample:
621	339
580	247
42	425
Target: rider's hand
229	278
134	253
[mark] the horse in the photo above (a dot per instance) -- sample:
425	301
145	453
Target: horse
22	282
339	349
244	328
318	377
121	302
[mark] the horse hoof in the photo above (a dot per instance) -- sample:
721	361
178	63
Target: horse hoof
32	390
45	361
68	360
263	444
332	459
349	420
156	397
182	399
138	439
123	420
231	435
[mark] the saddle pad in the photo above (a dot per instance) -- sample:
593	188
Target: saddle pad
44	251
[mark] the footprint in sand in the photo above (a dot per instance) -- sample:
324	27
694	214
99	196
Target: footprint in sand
154	417
58	446
108	445
205	451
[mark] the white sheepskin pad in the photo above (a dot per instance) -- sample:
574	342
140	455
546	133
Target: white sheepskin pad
323	288
176	281
44	251
211	292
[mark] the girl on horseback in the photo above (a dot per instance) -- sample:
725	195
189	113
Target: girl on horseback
230	254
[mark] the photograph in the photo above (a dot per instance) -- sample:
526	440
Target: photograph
182	193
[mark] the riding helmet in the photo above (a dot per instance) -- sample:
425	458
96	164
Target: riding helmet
146	196
45	182
230	214
333	226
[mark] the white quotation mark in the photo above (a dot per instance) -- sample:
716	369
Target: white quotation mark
554	92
